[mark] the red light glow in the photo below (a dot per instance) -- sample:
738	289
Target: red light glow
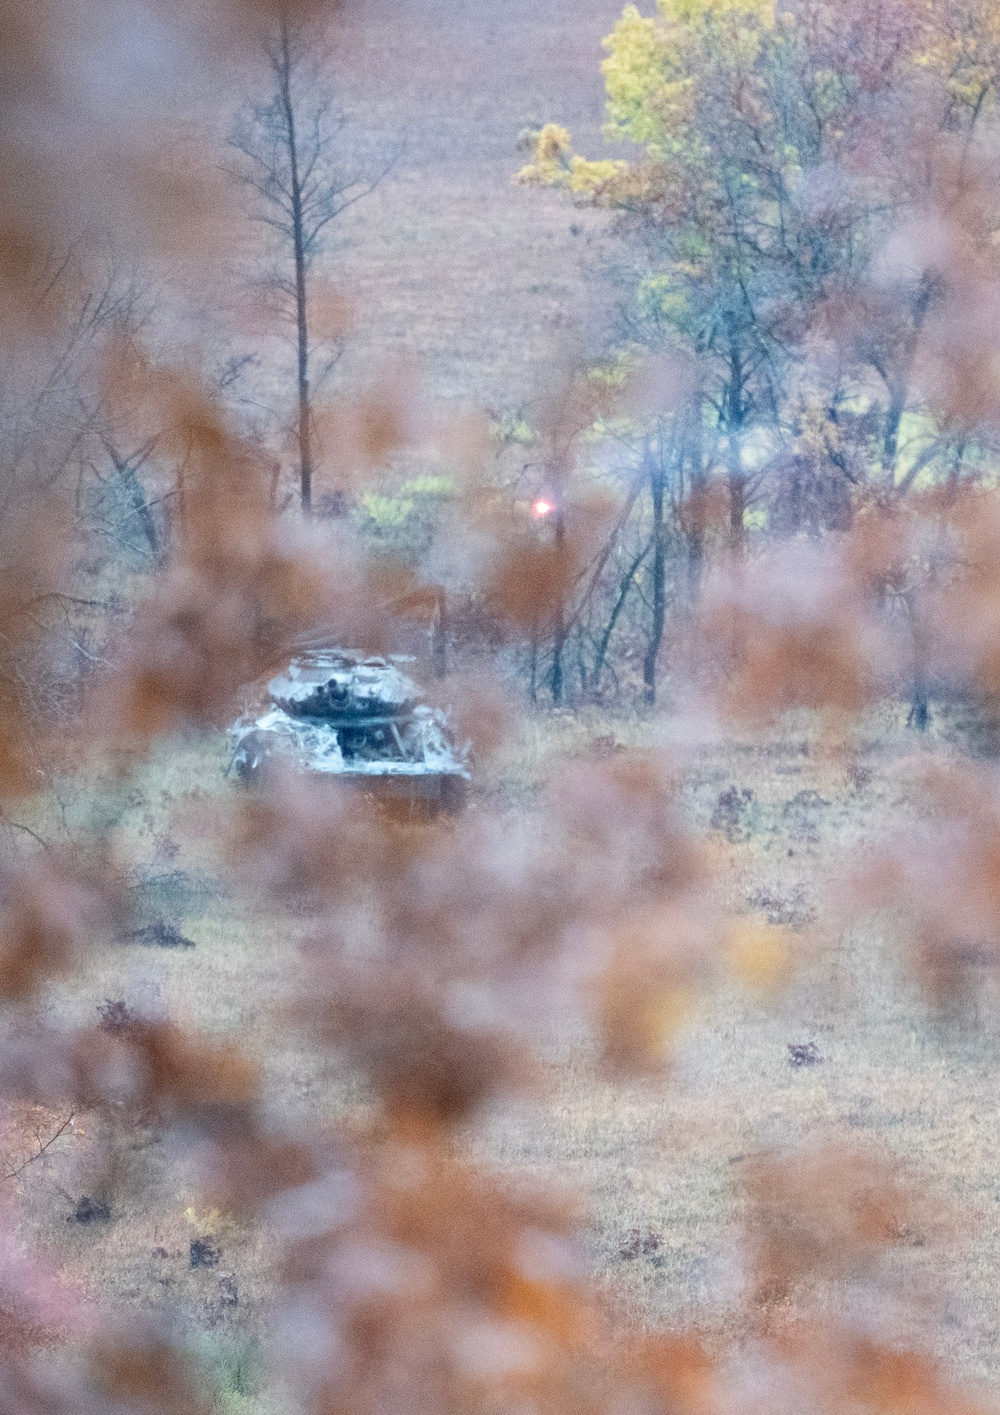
542	508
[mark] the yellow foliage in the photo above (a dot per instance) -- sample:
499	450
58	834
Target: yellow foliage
550	164
212	1221
588	176
650	74
553	144
690	12
963	46
639	94
554	164
657	65
650	78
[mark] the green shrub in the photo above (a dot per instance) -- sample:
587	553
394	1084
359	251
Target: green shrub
407	521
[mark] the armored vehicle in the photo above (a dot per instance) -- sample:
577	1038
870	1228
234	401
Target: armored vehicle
338	714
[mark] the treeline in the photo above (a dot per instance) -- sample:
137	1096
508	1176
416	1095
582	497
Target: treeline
807	247
806	260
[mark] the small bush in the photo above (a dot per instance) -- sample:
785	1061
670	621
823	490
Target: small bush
204	1253
736	814
90	1210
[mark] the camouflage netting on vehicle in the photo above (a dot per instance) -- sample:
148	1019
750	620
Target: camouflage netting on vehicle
338	713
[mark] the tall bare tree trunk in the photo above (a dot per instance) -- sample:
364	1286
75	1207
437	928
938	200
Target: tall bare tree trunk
628	580
735	415
559	628
656	480
301	289
697	508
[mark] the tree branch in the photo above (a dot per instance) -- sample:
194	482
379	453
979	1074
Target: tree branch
43	1147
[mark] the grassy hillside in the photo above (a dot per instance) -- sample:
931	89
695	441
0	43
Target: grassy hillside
483	283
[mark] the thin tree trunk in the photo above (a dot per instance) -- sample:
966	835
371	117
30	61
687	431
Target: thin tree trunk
559	629
735	414
890	442
955	473
919	714
137	496
301	288
623	591
581	666
656	480
898	386
696	552
698	509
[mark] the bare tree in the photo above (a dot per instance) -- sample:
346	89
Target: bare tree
293	165
51	412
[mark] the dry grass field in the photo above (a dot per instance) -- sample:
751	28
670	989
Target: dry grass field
848	1047
482	284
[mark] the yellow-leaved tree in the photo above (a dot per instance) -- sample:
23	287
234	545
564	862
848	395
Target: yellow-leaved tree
768	211
776	155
